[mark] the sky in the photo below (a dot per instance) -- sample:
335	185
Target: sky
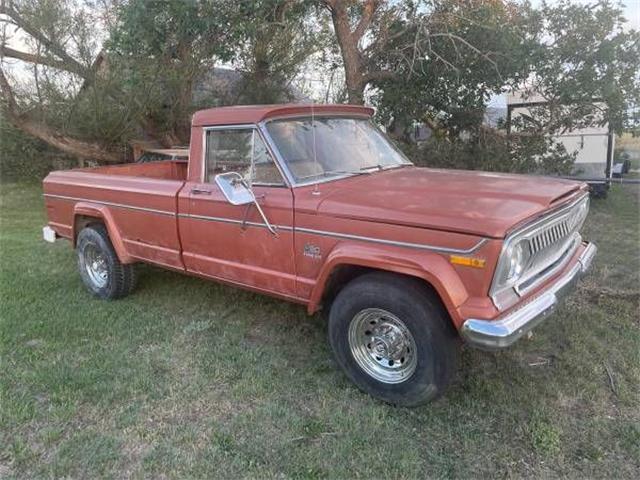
632	12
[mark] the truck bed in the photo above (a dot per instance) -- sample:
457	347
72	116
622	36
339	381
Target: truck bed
164	170
140	198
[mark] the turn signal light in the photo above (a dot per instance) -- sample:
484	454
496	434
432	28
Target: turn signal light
468	261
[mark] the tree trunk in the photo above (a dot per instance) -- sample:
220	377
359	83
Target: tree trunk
348	43
35	128
67	144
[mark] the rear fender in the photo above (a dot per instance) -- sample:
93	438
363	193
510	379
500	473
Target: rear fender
431	267
101	212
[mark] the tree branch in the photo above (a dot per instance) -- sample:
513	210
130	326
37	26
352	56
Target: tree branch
65	143
72	65
370	8
35	59
378	75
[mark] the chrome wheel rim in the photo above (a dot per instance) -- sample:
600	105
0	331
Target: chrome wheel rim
95	264
382	345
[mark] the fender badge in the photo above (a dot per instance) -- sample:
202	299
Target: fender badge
312	251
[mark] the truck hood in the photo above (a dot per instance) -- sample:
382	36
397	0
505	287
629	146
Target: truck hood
479	203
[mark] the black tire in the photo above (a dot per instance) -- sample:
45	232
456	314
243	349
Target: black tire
118	279
421	312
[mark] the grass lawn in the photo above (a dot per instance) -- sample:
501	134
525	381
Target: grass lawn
187	378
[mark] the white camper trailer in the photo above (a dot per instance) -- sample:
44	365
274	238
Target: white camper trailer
594	145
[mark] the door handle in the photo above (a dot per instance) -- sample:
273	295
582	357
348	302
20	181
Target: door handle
200	191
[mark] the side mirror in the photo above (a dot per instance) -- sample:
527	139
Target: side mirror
238	192
234	188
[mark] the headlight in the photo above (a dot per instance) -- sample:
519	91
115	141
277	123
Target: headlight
583	210
513	263
517	261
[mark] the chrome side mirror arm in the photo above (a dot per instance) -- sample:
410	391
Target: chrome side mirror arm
270	227
238	192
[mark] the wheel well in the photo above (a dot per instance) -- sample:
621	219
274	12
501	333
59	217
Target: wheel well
83	221
343	274
338	278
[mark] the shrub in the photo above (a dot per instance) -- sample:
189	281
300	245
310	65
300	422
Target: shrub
493	151
23	157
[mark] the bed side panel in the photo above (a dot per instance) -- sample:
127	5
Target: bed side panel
141	210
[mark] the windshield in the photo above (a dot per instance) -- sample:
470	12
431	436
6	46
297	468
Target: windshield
343	146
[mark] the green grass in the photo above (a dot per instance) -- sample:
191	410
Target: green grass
187	378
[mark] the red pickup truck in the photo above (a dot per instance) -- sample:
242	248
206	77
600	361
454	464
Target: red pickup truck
314	205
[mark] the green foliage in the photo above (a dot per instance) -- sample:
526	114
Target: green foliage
276	39
430	61
465	51
544	435
493	151
22	157
158	50
584	53
460	53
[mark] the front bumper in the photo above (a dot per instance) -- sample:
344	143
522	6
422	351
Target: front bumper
504	331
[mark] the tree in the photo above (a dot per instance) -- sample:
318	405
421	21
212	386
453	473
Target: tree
462	53
387	42
277	38
585	64
438	61
158	50
86	81
349	38
60	50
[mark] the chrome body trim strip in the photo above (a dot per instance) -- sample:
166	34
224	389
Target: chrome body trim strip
288	228
234	221
348	236
505	330
111	204
343	236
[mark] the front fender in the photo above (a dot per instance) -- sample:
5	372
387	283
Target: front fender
431	267
103	213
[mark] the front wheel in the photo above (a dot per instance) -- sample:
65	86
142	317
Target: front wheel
393	339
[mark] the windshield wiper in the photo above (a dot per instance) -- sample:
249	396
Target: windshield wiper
348	172
335	172
381	167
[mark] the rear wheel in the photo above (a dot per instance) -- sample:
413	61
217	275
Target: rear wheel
393	339
100	269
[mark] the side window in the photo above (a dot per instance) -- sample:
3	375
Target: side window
242	151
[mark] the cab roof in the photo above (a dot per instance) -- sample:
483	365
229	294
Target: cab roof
251	114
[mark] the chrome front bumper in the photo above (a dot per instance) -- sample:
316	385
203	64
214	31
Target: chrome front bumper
504	331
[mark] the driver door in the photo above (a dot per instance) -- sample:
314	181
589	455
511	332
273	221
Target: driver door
231	242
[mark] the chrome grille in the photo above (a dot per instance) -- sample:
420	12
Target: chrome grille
549	244
550	236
